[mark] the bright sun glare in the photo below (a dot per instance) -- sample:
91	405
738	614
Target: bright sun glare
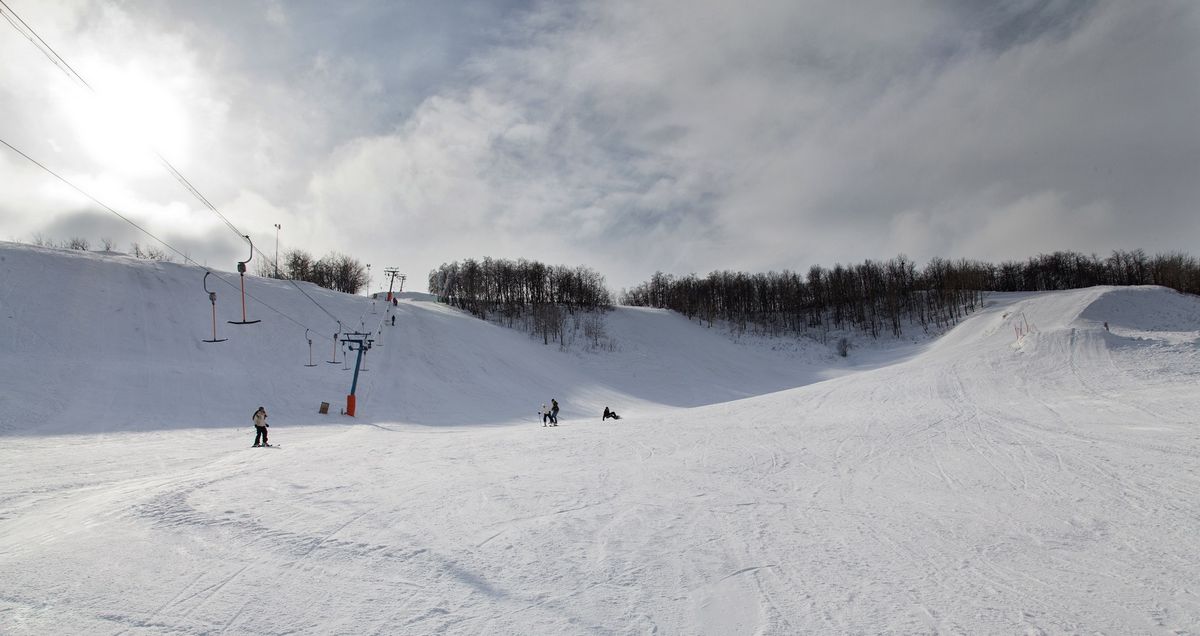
127	120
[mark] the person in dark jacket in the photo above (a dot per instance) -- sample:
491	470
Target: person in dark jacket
260	426
553	412
608	414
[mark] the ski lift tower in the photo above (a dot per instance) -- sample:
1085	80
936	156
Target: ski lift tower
394	273
361	343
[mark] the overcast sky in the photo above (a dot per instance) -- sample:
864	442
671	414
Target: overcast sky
626	135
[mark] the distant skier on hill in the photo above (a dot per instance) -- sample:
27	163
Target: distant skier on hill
260	427
553	412
545	413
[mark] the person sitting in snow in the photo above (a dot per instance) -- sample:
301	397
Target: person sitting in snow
260	427
608	414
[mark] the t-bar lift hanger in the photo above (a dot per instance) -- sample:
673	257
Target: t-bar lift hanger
242	275
212	297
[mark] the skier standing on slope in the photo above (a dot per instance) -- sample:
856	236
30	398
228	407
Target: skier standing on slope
260	427
545	413
553	412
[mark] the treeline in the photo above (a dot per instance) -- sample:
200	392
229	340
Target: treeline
333	271
537	295
875	297
1071	270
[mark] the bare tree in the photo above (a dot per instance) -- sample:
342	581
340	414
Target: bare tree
593	329
297	265
548	321
264	268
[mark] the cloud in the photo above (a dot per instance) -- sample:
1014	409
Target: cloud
1034	224
776	135
681	136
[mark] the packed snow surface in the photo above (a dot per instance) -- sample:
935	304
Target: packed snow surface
1030	471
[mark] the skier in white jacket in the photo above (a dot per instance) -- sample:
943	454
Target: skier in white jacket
260	427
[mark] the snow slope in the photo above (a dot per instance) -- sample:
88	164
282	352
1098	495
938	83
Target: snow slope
104	342
983	483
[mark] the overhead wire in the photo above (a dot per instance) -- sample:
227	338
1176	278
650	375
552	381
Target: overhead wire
195	191
148	232
62	64
314	301
47	50
93	199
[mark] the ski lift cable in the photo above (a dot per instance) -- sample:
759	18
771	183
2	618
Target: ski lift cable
61	63
94	199
150	234
187	185
377	327
263	255
314	301
47	50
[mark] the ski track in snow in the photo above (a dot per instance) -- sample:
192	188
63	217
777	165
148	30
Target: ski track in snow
978	483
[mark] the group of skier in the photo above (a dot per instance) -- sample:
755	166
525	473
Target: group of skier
550	415
549	418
